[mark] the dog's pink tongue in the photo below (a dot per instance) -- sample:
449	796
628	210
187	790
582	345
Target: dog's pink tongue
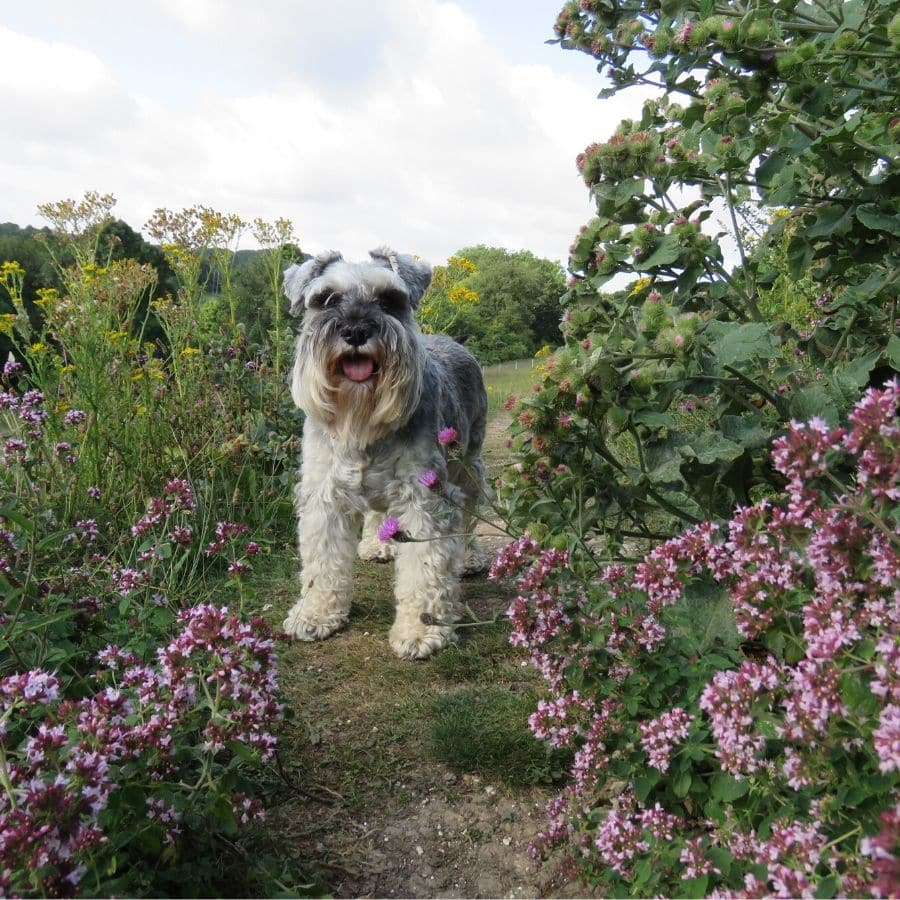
359	368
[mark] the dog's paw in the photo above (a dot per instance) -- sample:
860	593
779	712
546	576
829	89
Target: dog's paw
421	641
475	561
301	625
376	550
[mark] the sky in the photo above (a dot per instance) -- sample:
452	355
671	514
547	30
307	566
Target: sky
425	125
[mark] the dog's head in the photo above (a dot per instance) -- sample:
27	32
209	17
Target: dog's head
358	364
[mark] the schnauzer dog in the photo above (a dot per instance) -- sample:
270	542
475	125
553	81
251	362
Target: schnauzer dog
382	401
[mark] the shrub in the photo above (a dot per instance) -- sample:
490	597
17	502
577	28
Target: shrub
659	411
732	699
138	696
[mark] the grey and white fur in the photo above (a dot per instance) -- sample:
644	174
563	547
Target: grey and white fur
376	393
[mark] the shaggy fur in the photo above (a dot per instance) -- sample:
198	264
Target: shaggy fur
376	393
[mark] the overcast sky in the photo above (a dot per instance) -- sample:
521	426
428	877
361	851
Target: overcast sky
421	124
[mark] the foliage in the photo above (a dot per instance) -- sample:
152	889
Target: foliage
448	305
138	481
504	305
733	700
791	105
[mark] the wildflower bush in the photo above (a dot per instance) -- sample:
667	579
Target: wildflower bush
733	700
449	305
668	392
139	481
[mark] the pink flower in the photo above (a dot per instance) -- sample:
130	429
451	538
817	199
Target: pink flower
447	436
429	478
389	530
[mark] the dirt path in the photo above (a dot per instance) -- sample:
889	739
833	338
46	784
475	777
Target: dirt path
374	814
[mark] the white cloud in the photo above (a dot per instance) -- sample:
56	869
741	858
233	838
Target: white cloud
429	140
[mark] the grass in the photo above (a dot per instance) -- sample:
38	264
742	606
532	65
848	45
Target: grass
482	729
503	379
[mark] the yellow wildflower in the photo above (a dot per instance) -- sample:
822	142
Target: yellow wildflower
64	370
640	285
39	347
543	352
116	337
11	269
462	263
460	295
189	351
6	323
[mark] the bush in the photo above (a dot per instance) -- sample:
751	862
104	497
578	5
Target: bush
138	482
669	392
733	700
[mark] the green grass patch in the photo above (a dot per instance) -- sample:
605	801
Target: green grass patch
484	731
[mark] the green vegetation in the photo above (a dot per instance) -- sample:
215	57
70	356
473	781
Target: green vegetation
725	694
484	730
504	305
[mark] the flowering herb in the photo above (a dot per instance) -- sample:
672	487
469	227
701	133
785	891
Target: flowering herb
720	694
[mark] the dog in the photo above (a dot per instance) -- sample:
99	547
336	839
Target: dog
382	402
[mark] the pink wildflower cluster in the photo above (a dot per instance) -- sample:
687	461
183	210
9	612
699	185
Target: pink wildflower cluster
659	736
814	584
214	683
884	851
729	702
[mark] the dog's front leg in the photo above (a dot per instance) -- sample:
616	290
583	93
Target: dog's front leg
327	535
427	585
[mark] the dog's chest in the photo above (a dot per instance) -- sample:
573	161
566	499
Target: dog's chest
371	476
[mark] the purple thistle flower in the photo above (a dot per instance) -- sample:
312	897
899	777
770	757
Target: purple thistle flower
429	478
389	529
447	436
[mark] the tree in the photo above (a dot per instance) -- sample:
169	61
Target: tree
505	304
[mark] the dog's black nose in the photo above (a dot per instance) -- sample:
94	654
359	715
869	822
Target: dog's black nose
356	333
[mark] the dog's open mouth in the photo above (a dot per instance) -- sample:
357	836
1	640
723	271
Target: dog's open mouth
358	368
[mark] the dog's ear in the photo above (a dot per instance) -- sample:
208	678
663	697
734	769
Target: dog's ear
415	273
296	278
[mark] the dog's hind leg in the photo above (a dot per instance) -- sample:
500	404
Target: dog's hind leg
469	476
371	547
327	540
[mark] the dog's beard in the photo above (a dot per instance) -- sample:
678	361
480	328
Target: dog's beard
358	396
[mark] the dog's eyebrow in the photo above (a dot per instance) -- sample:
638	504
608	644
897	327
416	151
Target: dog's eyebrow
324	297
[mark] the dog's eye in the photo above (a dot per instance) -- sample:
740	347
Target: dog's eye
392	302
325	300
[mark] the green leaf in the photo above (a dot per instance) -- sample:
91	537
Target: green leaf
813	402
710	447
734	343
727	789
667	251
831	220
870	215
893	352
681	784
694	887
643	784
750	433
